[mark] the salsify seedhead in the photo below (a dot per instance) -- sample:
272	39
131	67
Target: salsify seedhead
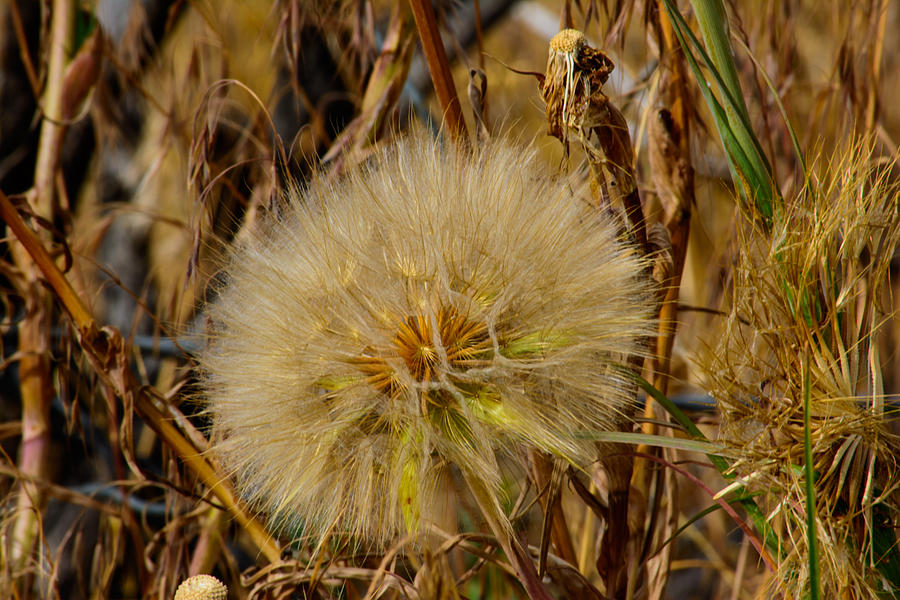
434	307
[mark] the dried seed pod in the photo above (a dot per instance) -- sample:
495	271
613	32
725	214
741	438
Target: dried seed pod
573	91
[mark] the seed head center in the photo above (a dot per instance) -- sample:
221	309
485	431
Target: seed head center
427	345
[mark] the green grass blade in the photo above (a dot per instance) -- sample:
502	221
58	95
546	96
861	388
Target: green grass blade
809	475
684	526
660	441
713	22
795	141
742	496
746	158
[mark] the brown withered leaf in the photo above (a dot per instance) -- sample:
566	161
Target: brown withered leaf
82	75
671	173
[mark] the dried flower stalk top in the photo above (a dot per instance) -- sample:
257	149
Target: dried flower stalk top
431	307
572	88
575	75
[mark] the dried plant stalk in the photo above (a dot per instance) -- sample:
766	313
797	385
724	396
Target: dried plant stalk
673	177
36	387
572	88
439	67
105	350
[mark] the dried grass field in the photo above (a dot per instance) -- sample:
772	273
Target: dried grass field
449	299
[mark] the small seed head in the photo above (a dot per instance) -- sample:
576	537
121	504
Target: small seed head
568	41
201	587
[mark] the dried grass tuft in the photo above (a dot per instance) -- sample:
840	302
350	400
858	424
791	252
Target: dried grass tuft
817	288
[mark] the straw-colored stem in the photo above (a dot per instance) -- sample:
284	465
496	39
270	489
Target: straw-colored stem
52	128
673	175
517	556
436	57
542	471
209	543
35	384
676	190
875	57
105	350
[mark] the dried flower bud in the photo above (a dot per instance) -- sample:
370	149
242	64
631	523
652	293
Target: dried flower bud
434	306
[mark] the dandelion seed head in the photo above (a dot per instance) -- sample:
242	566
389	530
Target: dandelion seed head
432	307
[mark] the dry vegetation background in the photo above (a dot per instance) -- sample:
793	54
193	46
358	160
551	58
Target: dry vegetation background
137	139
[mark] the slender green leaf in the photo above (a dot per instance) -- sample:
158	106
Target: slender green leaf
795	141
814	593
661	441
685	525
721	464
747	160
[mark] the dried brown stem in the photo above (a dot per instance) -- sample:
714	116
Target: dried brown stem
105	350
479	33
22	41
576	104
436	57
673	176
542	471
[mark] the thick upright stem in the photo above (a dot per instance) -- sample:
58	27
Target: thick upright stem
436	58
673	177
498	524
35	384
